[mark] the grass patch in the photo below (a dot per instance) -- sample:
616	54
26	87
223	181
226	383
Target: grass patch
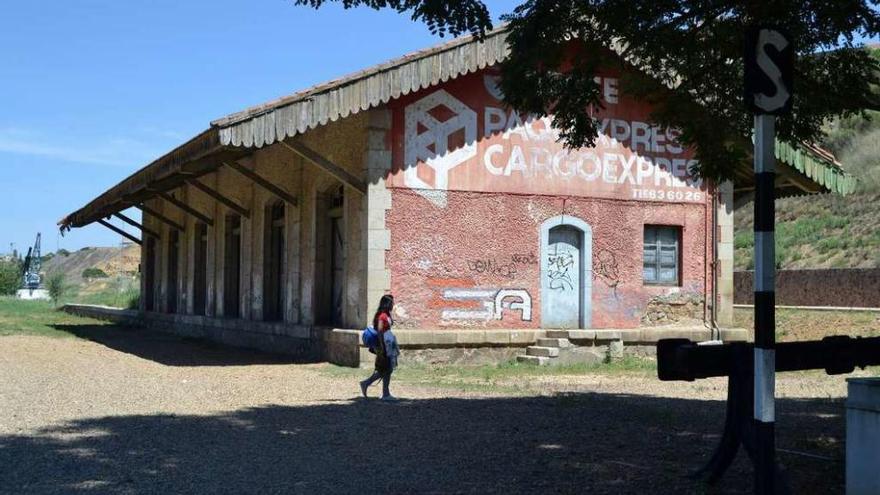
18	317
509	376
118	292
804	324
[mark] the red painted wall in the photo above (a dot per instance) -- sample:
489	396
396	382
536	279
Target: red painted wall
472	184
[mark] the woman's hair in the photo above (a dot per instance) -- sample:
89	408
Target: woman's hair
385	305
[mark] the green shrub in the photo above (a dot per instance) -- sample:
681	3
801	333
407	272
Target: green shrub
94	273
63	252
57	285
743	240
10	276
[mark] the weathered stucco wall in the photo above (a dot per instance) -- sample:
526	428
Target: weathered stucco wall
491	242
476	186
844	287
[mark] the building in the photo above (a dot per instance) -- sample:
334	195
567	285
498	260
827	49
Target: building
283	222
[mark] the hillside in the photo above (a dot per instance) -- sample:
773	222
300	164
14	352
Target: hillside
828	231
120	287
114	261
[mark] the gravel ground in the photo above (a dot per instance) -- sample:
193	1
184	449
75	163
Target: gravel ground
133	412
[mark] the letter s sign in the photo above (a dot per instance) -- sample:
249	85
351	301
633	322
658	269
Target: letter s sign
769	63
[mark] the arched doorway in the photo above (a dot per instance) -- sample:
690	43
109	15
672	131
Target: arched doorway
566	262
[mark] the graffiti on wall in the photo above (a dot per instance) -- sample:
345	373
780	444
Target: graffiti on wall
462	303
558	266
491	266
605	269
464	138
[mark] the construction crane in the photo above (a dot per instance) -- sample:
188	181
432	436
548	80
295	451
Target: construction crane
30	272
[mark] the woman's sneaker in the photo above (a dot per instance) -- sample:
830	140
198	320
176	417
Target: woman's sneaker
390	398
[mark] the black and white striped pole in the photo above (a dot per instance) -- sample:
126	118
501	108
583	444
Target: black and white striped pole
769	60
765	304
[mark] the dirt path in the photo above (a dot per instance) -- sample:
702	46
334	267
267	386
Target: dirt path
132	412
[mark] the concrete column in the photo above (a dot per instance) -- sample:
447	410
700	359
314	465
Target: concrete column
292	250
724	291
258	219
161	266
216	211
144	266
376	203
307	207
247	256
183	280
355	259
216	283
188	246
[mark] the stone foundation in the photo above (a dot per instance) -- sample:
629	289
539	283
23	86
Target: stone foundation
343	346
670	309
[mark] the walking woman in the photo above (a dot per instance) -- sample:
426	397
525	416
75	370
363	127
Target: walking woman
386	351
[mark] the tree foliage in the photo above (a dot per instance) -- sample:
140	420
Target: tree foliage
57	286
94	273
10	276
683	57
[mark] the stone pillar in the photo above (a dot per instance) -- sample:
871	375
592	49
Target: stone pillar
355	259
188	244
144	264
257	234
292	248
247	256
216	213
183	260
162	263
377	202
724	263
308	202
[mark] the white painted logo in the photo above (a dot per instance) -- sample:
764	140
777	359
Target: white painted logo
427	141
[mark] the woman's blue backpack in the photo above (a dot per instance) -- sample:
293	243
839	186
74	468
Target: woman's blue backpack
370	338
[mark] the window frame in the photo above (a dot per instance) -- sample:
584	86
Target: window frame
658	246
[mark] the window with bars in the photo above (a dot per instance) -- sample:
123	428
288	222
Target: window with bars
661	258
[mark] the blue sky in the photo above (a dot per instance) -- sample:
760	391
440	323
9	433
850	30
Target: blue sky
92	90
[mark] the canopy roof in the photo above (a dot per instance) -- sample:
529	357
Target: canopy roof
807	169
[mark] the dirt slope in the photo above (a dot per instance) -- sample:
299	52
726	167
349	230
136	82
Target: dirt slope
112	260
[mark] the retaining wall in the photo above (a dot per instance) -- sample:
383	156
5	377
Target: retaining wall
843	287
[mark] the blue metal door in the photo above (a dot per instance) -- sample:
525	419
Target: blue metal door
562	278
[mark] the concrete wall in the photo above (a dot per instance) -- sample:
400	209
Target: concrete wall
843	287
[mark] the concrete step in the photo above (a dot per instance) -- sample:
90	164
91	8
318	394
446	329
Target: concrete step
547	342
536	350
557	334
536	360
